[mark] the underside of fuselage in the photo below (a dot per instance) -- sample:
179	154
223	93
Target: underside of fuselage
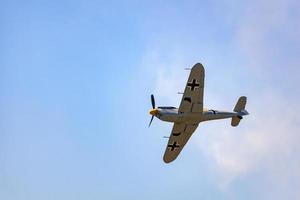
171	114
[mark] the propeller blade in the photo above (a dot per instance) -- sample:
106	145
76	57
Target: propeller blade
152	101
151	120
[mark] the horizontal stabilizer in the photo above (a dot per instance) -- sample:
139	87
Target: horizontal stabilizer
235	121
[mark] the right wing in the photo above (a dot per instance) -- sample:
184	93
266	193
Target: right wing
181	133
192	99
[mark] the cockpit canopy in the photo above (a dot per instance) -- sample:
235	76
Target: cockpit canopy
212	111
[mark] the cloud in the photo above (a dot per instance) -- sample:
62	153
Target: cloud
266	137
271	134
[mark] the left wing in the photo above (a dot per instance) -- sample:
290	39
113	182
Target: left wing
192	99
181	133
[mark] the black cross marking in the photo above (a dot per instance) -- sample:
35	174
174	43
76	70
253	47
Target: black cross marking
192	85
173	146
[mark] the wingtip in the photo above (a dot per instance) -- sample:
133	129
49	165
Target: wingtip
199	66
168	160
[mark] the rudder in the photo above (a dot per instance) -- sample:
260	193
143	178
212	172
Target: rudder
235	121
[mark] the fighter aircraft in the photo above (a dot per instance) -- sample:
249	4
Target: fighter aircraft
190	113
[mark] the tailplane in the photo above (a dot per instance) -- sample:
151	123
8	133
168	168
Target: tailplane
240	109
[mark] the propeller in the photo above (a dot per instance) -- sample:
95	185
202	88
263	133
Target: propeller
153	106
151	120
152	101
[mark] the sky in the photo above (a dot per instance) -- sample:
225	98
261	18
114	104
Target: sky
75	84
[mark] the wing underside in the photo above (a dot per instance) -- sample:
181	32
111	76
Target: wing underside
191	102
192	99
180	135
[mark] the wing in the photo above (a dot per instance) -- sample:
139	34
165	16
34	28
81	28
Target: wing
181	133
192	99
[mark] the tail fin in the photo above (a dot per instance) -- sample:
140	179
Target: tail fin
239	108
240	105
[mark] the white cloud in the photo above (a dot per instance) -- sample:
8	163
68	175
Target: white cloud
168	84
170	76
267	136
268	141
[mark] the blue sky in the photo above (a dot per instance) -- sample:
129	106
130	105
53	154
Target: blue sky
75	85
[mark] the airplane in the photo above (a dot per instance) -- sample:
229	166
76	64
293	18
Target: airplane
190	113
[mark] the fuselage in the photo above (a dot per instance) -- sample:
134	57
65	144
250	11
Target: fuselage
171	114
